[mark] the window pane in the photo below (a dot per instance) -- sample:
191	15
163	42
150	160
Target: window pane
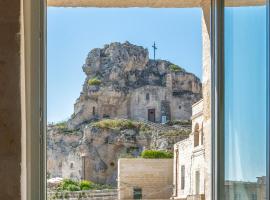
245	101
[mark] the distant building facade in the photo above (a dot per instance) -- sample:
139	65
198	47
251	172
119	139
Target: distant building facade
240	190
189	160
190	164
145	179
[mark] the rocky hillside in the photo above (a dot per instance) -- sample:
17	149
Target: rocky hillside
123	91
101	143
116	74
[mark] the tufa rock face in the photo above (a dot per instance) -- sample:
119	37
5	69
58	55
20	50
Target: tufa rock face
121	82
121	75
92	152
116	55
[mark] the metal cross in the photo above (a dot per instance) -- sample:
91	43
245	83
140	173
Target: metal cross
155	48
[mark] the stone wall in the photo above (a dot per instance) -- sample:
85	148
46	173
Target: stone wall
107	194
10	105
153	176
139	104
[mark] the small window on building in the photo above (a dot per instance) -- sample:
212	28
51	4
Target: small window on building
197	181
71	166
202	134
196	135
137	193
147	96
94	110
182	177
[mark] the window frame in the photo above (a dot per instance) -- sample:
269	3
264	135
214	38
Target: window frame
34	100
218	81
34	87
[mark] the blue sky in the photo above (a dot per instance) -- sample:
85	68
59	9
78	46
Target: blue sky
73	32
245	96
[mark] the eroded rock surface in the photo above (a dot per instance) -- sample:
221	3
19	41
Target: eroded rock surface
121	83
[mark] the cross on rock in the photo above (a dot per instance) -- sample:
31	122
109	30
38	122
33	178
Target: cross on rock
155	48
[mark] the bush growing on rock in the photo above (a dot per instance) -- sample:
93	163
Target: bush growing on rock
156	154
176	68
86	185
121	124
94	81
73	188
61	125
68	185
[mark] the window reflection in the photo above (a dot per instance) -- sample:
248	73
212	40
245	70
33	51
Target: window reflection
245	103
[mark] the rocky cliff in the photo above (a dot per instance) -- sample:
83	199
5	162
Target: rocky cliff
120	76
92	151
124	98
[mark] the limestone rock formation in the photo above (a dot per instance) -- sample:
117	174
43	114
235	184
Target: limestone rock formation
92	152
122	82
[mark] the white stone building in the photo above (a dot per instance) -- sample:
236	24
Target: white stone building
189	160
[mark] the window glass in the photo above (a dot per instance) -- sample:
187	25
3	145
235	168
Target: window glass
245	101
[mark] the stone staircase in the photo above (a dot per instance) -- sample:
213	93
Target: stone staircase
157	126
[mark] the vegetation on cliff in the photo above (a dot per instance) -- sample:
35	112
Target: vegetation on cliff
156	154
121	124
94	81
176	68
63	127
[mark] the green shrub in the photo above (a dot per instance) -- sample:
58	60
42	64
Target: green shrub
69	185
61	125
115	124
156	154
121	124
86	185
176	68
94	81
73	188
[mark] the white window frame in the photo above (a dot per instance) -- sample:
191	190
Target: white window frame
33	89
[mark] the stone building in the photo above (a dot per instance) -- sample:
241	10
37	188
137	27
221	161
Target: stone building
145	179
189	160
122	82
246	190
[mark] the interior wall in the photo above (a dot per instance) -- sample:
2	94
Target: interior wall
10	111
